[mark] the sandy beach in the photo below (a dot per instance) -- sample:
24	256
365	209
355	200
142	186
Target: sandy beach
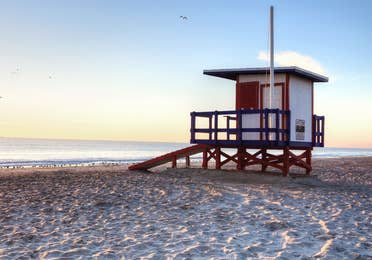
109	212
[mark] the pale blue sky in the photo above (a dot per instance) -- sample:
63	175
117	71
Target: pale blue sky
114	69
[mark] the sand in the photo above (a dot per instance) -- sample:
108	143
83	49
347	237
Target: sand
109	212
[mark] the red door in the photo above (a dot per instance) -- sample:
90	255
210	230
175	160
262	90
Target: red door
247	95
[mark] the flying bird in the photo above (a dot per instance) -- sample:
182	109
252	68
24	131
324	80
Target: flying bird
183	17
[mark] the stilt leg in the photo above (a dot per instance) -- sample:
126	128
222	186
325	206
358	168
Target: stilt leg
218	158
205	159
264	165
240	165
174	162
187	158
308	160
285	161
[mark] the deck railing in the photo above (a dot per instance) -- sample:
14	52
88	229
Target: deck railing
318	131
276	134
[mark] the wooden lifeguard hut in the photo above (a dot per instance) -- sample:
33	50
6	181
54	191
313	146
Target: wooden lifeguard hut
274	110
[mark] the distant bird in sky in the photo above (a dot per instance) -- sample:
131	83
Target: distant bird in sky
183	17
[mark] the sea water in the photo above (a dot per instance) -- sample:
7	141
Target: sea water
48	152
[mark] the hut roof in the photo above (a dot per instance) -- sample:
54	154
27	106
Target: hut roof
233	73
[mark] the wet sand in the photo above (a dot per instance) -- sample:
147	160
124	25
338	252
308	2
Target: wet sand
107	211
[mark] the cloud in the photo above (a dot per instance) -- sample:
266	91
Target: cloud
292	58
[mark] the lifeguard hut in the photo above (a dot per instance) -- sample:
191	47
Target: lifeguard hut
274	110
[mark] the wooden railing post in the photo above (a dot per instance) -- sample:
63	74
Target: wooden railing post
288	126
313	136
240	125
228	128
277	124
318	129
210	128
192	129
323	120
266	112
215	126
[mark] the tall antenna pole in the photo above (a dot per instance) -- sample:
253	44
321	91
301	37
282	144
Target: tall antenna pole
271	57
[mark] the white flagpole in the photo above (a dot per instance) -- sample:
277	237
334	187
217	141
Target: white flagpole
272	79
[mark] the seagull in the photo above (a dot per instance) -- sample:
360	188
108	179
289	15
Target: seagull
183	17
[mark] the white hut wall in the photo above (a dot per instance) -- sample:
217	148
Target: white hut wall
300	105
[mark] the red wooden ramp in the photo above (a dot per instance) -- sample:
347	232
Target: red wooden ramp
170	157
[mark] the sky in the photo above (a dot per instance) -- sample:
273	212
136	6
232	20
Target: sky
133	70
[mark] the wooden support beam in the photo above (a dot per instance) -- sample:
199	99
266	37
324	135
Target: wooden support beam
228	158
205	159
270	156
308	161
264	162
187	158
285	161
174	161
252	158
242	158
212	154
240	153
218	157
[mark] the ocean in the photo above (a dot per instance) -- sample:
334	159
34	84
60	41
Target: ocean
15	152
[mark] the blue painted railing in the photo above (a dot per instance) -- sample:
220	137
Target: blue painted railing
276	135
318	131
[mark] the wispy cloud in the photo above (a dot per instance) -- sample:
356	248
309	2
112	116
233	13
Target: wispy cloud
292	58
